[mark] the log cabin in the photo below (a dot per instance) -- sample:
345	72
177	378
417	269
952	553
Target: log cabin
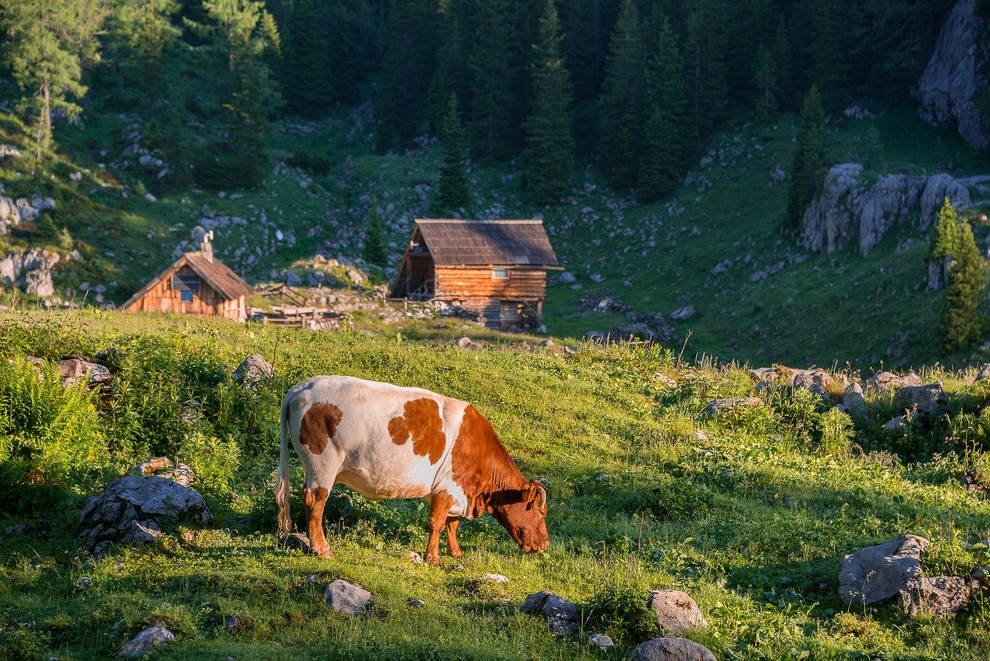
496	269
198	284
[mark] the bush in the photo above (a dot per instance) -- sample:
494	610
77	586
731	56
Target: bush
213	461
50	435
620	612
318	165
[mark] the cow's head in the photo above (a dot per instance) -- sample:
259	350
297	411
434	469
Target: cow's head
523	513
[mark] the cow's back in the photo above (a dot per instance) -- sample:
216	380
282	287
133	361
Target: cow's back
382	440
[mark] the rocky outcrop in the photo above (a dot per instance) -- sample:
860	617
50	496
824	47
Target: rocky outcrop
937	596
31	270
880	572
22	210
562	616
848	209
956	74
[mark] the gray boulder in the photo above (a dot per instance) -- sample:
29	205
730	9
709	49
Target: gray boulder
928	400
601	642
75	370
937	596
671	649
719	406
938	273
880	572
952	81
676	611
154	636
563	617
253	369
984	373
886	381
132	510
31	270
163	466
347	598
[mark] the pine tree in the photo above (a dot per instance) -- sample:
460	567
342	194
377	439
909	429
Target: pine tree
47	45
782	56
808	163
823	34
142	30
452	190
549	153
450	73
946	235
244	32
962	321
374	240
665	138
402	84
766	103
708	92
621	111
307	72
491	73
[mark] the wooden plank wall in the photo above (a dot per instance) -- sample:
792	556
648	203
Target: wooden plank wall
462	284
206	302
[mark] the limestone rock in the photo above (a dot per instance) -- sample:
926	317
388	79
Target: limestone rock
75	370
132	509
253	369
928	400
601	642
179	473
31	269
880	572
719	406
938	596
984	373
145	641
495	578
297	541
671	649
563	617
898	423
347	598
885	381
676	611
952	81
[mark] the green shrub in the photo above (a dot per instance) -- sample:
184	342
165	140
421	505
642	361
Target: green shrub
620	612
318	165
214	461
50	435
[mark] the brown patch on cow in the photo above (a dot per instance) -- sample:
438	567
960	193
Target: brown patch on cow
318	426
420	421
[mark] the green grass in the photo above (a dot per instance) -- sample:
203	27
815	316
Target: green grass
751	521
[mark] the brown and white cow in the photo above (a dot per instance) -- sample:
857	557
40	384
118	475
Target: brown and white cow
385	441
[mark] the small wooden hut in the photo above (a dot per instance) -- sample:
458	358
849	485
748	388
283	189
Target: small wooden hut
494	268
198	284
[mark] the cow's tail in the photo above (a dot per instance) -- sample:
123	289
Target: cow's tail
282	486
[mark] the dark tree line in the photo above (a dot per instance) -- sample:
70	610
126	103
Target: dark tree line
635	86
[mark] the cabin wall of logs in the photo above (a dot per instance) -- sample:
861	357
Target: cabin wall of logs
166	296
489	283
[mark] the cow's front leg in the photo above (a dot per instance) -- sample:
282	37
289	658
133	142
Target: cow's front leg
440	506
452	545
314	499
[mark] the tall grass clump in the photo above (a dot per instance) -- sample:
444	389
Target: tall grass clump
50	435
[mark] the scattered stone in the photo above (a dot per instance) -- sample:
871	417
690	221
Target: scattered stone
680	314
853	400
562	615
347	598
885	381
601	642
719	406
132	509
566	278
984	373
928	400
84	581
676	611
495	578
699	436
147	640
467	343
880	572
253	369
671	649
163	466
415	558
937	596
896	424
16	529
231	622
9	151
597	277
297	541
415	603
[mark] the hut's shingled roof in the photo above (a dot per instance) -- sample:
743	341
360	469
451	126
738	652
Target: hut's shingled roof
487	242
216	274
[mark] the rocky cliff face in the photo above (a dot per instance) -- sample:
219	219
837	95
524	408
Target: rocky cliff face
850	209
957	73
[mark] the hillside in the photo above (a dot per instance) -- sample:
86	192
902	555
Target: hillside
749	511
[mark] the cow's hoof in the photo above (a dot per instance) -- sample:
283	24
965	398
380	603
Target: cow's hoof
435	561
324	552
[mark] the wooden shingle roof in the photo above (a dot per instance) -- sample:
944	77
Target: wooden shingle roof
487	242
216	274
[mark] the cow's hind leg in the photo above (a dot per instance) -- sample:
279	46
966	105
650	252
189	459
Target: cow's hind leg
440	506
452	545
314	498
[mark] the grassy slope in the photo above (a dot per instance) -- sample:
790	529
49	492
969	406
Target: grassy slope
749	521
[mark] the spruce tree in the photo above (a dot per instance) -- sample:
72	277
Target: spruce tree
781	55
765	104
47	45
141	31
374	239
962	321
307	72
946	235
665	138
452	189
491	74
808	164
621	112
402	83
708	92
549	152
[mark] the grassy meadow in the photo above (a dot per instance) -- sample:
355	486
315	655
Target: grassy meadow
750	517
